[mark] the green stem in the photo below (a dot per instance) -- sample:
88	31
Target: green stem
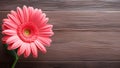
13	54
15	61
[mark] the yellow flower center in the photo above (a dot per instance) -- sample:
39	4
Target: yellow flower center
27	32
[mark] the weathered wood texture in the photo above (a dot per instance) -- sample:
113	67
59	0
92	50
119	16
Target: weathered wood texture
63	4
87	34
65	64
80	46
81	20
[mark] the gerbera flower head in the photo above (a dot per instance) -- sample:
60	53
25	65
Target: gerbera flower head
27	31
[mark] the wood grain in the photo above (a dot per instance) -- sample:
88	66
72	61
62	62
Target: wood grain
79	46
87	34
81	20
82	46
63	4
65	64
79	64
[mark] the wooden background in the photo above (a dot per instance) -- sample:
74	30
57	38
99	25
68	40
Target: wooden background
87	34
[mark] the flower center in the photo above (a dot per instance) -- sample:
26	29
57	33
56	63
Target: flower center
27	32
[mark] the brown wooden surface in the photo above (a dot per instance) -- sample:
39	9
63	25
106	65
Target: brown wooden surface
81	20
65	64
63	4
87	34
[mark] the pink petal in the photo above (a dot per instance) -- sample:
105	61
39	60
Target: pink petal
26	14
14	13
27	51
20	14
13	19
34	50
43	18
46	33
6	20
16	16
22	49
5	38
15	45
4	27
9	32
9	23
40	14
40	46
45	41
46	20
46	28
36	17
30	10
11	39
9	47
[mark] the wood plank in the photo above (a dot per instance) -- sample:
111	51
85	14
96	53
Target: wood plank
85	46
63	4
64	64
78	46
72	64
82	20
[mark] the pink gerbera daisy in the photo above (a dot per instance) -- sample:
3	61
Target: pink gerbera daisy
27	30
